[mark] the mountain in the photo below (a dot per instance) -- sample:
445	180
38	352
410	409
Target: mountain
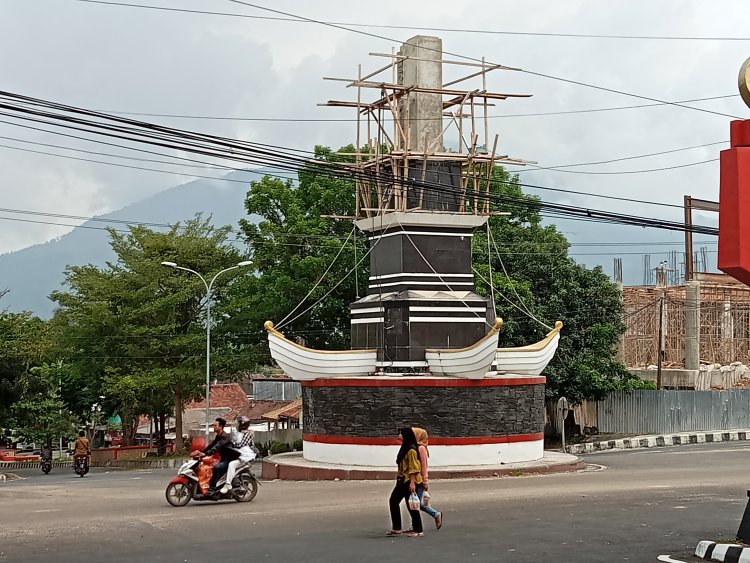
33	273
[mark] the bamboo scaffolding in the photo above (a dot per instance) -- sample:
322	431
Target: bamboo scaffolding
389	164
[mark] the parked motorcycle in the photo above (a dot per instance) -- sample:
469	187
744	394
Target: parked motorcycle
192	482
81	465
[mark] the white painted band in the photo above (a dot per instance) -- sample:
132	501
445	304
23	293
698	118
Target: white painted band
447	320
409	282
419	233
367	320
440	456
456	309
366	310
417	364
422	274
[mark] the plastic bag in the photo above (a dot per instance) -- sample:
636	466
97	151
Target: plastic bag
426	499
413	501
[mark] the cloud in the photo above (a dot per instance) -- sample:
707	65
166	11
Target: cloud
121	59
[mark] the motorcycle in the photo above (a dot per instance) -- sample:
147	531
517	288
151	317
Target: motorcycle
81	465
46	465
192	483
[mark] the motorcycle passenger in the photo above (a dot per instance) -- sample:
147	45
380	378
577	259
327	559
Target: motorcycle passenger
222	444
82	448
242	441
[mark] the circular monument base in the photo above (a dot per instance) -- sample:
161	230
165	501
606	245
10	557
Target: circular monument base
490	421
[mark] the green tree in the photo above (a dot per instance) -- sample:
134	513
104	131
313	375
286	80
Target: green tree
537	282
134	331
294	243
24	344
39	414
292	247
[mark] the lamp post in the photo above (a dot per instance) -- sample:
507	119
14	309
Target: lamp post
208	286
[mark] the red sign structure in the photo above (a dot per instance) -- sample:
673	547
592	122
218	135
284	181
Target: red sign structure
734	204
734	194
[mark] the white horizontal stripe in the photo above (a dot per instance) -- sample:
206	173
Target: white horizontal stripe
447	320
412	274
409	282
365	310
457	309
417	364
431	233
367	320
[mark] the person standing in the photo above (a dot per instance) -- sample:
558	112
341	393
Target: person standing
424	455
107	440
408	478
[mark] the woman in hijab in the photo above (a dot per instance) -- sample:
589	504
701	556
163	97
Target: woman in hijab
408	478
424	454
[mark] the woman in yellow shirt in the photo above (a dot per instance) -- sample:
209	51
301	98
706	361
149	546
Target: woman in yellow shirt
409	476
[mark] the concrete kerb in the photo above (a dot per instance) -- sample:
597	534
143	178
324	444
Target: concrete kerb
730	552
659	441
293	467
122	464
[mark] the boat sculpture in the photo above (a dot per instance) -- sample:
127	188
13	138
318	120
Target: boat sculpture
531	359
471	362
305	364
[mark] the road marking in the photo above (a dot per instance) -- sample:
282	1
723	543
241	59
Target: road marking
668	559
49	510
692	452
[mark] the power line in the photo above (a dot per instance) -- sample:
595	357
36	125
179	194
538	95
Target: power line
423	28
317	236
388	120
474	59
243	151
554	169
621	159
295	166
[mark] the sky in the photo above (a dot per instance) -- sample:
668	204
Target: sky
128	59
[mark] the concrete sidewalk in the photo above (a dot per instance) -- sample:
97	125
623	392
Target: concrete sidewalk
123	464
292	466
661	440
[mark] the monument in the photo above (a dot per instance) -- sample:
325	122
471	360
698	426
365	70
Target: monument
424	345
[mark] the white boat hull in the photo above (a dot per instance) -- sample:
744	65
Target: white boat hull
472	362
528	360
306	364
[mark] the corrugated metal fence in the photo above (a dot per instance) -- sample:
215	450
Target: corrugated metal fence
668	411
270	389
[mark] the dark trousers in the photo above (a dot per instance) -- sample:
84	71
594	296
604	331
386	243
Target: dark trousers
401	492
220	469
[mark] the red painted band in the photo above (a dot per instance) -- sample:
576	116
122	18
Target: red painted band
434	440
423	381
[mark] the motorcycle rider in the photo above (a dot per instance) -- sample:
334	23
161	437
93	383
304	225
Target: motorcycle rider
82	448
46	453
222	444
242	441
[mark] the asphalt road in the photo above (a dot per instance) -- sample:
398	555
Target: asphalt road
628	506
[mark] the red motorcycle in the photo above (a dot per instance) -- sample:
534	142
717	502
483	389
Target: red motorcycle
194	476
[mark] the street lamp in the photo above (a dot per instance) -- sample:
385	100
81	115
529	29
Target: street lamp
208	285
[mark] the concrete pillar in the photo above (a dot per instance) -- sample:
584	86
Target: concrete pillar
421	114
692	325
620	357
727	333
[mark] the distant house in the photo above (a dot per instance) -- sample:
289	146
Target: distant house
278	413
225	400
